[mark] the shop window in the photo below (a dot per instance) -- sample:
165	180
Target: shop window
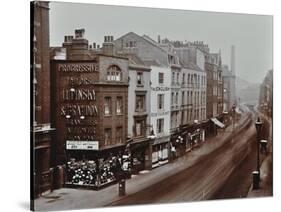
161	78
140	103
139	78
160	101
119	133
107	136
160	125
114	73
107	106
119	105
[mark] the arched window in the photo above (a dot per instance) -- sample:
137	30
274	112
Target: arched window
114	73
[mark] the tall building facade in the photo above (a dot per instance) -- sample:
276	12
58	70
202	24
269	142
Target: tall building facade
90	111
41	130
158	60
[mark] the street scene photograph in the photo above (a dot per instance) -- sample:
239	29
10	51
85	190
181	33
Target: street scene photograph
136	105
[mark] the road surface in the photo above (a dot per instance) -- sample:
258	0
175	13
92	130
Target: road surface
206	178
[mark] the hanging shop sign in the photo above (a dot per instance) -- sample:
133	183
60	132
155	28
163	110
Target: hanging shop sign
82	145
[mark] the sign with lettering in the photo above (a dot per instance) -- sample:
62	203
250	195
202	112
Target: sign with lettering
77	67
160	88
162	113
77	108
82	145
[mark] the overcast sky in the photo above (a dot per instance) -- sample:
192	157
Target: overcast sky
251	34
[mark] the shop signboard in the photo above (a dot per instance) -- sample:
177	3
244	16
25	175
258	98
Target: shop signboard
82	145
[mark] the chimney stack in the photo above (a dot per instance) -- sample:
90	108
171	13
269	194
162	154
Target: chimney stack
79	33
108	45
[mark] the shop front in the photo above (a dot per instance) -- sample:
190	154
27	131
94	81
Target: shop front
140	150
92	168
160	151
178	140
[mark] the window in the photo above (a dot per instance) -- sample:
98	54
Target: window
119	105
177	98
139	78
113	73
140	103
139	128
161	78
160	101
188	78
107	136
173	77
119	133
160	125
182	98
172	98
107	106
178	76
183	78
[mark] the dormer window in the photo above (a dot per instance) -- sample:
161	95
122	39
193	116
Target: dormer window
114	73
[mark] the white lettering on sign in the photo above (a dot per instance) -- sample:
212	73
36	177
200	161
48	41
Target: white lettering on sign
82	145
74	67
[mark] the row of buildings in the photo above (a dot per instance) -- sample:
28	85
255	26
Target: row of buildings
266	94
132	100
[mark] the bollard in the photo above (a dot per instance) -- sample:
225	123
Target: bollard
256	180
122	187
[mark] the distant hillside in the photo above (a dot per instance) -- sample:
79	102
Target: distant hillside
246	91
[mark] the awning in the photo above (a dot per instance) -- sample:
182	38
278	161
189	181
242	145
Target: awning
237	110
217	122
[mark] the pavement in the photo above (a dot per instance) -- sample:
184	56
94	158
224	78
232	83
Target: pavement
68	199
266	170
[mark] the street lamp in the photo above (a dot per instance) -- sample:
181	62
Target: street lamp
258	128
233	116
256	174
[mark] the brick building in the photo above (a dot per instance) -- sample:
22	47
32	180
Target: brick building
41	130
90	111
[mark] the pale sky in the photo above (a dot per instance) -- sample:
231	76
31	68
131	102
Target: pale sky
251	34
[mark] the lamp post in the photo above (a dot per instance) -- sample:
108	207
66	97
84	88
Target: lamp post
256	174
258	128
233	116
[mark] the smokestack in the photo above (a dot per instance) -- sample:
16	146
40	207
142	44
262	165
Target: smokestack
232	60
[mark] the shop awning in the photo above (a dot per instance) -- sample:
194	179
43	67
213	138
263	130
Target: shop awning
217	122
237	110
